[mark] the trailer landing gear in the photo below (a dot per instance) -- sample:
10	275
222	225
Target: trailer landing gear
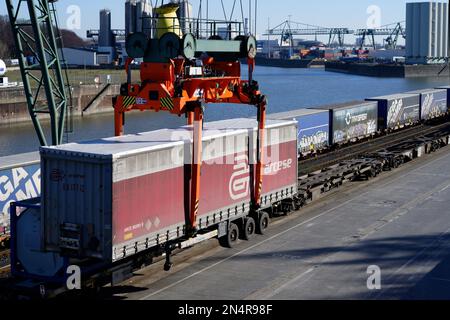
168	264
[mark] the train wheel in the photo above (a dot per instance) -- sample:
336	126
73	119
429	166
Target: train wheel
232	237
263	223
248	229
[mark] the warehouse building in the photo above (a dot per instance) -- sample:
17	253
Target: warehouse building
80	57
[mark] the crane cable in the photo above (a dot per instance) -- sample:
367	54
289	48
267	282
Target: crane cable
256	16
232	10
224	12
242	11
199	15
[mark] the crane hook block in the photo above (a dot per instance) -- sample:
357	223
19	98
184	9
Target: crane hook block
136	45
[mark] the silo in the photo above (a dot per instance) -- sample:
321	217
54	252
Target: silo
185	14
130	16
144	13
426	32
105	38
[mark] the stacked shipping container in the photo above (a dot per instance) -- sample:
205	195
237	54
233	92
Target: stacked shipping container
352	121
313	128
433	103
398	110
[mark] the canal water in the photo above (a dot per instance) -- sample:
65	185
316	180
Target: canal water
287	89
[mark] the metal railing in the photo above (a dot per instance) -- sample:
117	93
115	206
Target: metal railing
201	28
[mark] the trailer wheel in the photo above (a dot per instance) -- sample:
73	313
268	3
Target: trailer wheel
263	223
231	238
248	228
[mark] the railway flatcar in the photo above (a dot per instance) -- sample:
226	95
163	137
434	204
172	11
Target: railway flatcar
433	103
109	200
397	111
313	129
351	121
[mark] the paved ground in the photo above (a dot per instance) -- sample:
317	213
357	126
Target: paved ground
399	222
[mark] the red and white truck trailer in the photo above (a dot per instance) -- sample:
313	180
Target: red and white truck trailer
114	199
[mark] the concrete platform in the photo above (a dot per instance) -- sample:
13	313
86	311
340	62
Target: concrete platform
399	222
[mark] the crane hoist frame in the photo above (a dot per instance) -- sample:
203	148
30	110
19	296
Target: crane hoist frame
172	82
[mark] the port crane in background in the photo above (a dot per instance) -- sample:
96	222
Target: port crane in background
184	69
288	29
392	40
39	38
393	34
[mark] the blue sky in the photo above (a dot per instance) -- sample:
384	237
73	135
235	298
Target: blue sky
327	13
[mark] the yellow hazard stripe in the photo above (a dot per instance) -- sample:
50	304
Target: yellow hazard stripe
167	103
128	101
197	204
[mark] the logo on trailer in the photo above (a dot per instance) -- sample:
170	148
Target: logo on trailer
395	111
239	186
307	143
349	118
56	175
17	184
275	167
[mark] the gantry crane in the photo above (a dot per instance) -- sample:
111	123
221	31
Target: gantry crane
288	29
387	30
392	40
180	73
38	38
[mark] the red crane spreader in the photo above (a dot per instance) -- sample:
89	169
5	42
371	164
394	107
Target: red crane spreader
178	75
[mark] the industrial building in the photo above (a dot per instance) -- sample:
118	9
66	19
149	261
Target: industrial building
79	57
185	14
427	32
106	52
110	47
105	38
138	14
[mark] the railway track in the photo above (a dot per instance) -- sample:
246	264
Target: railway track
371	145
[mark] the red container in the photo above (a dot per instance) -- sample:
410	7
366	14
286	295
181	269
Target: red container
125	195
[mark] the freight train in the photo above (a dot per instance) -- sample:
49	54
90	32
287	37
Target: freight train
110	206
325	128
